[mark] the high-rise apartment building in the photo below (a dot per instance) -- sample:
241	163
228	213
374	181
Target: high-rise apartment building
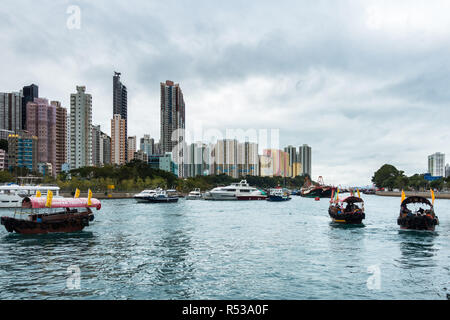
105	149
61	135
118	138
41	122
29	93
11	111
436	164
80	129
274	163
447	170
305	158
120	103
172	121
22	151
131	147
96	146
3	160
247	159
147	145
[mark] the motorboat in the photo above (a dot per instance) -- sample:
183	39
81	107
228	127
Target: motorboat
162	196
279	194
140	197
421	218
232	192
11	195
195	195
38	215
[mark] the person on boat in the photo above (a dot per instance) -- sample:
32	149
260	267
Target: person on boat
26	203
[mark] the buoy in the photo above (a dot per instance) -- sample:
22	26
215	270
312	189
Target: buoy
317	198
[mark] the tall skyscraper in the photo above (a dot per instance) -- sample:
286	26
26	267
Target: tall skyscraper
447	170
80	129
247	159
118	149
96	146
29	94
436	164
225	157
292	152
172	120
41	122
305	155
120	103
131	145
61	135
11	111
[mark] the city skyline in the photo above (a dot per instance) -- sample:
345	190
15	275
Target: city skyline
350	103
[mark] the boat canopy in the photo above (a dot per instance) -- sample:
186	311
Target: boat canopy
39	203
352	199
416	199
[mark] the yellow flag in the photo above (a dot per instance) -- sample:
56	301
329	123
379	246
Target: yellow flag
48	204
77	193
337	195
38	194
89	197
359	194
432	196
403	195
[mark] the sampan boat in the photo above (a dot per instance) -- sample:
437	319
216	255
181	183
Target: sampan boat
349	210
62	215
420	219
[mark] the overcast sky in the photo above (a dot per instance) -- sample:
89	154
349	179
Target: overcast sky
362	82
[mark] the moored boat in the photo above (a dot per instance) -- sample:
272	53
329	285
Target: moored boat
161	196
39	216
320	190
11	195
195	195
233	191
424	218
279	194
349	210
140	197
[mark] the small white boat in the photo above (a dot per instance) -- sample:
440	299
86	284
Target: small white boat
194	195
234	191
11	196
140	197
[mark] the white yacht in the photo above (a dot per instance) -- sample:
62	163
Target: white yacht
194	195
11	196
140	197
232	192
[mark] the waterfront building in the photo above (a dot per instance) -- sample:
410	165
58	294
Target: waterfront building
436	164
147	144
61	136
172	121
22	151
198	159
3	160
41	122
68	140
163	162
247	159
296	169
118	138
80	129
11	111
225	157
305	158
274	163
29	93
131	145
120	104
447	170
96	146
292	152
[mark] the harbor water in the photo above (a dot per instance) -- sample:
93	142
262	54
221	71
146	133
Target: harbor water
231	250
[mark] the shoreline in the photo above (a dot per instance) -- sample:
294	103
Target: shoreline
438	195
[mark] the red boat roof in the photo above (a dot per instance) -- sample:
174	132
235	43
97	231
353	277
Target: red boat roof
39	203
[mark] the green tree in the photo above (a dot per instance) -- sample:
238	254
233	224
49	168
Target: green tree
385	177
